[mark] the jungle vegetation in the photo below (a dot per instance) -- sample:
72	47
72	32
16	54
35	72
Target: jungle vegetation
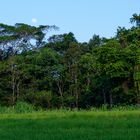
61	72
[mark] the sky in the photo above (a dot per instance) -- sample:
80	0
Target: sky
82	17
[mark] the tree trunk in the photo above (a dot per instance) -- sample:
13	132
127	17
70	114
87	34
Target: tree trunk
18	90
104	97
60	89
111	100
125	86
137	81
13	86
76	91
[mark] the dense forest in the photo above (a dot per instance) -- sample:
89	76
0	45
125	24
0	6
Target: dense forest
61	72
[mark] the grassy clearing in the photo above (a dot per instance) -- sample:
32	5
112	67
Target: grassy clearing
71	125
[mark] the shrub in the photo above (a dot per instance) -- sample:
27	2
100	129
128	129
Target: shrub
23	107
6	110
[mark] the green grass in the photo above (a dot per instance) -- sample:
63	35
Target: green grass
71	125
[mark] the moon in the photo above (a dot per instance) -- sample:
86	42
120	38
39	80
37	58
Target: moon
34	20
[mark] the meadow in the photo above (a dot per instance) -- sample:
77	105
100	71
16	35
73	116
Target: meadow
71	125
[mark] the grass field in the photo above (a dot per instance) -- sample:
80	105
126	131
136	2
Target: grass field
71	125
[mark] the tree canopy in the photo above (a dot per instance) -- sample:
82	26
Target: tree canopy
62	72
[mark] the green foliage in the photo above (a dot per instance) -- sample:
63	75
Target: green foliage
23	107
63	73
20	107
40	98
81	125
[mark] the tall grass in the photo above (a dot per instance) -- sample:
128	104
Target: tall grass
71	125
23	107
20	107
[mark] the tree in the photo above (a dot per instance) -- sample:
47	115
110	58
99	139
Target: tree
65	73
137	74
61	43
17	39
135	19
95	41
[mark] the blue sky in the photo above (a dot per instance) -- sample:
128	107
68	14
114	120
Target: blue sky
82	17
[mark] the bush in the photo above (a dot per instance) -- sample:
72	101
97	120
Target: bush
125	107
6	110
41	98
23	107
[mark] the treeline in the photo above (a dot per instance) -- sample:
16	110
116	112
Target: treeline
62	72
